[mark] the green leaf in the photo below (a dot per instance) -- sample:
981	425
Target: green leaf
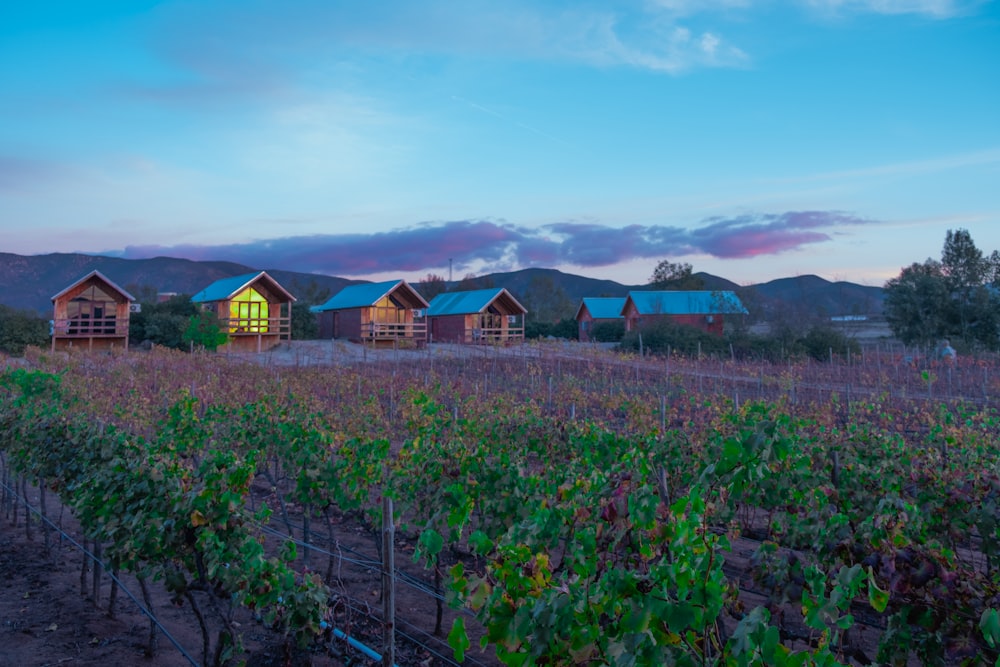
458	640
877	598
432	541
480	543
989	624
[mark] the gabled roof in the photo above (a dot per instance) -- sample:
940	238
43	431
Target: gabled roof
103	278
602	308
227	288
473	301
685	303
368	294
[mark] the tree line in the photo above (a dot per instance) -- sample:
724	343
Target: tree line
954	298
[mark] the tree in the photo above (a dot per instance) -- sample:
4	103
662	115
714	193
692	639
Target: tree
470	282
968	274
547	302
310	293
21	328
954	298
675	276
431	285
304	323
163	323
205	331
916	303
142	293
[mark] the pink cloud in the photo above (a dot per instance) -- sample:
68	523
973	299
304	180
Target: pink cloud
468	243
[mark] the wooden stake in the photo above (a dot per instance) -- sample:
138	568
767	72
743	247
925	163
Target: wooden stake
388	585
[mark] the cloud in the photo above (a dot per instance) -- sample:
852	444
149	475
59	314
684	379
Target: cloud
237	50
491	245
939	9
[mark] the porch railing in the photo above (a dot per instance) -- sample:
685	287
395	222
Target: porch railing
264	326
90	327
371	331
494	335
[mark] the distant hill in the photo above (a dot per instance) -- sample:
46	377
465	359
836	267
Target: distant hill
30	281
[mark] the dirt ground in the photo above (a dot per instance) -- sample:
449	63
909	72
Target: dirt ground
45	620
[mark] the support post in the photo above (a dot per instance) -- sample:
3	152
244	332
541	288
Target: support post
388	585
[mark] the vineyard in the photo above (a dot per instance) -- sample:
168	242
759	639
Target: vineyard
552	505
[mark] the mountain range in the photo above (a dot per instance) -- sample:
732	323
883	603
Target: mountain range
29	282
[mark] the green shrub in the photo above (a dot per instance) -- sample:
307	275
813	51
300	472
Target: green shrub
821	341
608	332
21	328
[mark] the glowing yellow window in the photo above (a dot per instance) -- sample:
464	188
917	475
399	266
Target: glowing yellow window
248	311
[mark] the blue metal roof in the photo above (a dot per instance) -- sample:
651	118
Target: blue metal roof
686	303
227	288
223	289
367	294
603	308
465	303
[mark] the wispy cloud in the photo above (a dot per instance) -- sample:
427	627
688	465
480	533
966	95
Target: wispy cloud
939	9
233	49
926	166
495	245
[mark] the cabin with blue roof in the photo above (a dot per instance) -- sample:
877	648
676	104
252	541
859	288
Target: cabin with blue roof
598	310
477	316
91	314
253	308
385	313
705	310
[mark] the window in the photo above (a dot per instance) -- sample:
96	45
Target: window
92	312
248	312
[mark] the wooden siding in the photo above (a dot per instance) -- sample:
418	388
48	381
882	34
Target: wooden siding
713	324
95	322
475	328
254	334
379	324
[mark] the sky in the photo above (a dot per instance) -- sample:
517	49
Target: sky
753	140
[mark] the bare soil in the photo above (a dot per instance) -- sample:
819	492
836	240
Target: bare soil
48	615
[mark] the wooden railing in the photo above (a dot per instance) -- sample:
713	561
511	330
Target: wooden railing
90	327
371	331
494	335
264	326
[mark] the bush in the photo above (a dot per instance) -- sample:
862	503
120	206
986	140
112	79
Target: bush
205	331
607	332
667	338
21	328
663	337
564	328
820	342
163	323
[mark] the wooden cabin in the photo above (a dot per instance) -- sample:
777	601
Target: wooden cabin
92	314
598	310
253	308
705	310
477	316
385	313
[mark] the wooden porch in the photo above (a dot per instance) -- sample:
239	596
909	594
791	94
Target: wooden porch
494	335
256	334
376	332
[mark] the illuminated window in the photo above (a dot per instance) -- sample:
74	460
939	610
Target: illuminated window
248	312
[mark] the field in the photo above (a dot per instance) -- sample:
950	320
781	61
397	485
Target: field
552	504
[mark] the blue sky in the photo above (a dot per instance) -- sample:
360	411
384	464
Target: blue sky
753	140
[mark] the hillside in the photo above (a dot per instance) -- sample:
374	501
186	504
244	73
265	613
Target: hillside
28	282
